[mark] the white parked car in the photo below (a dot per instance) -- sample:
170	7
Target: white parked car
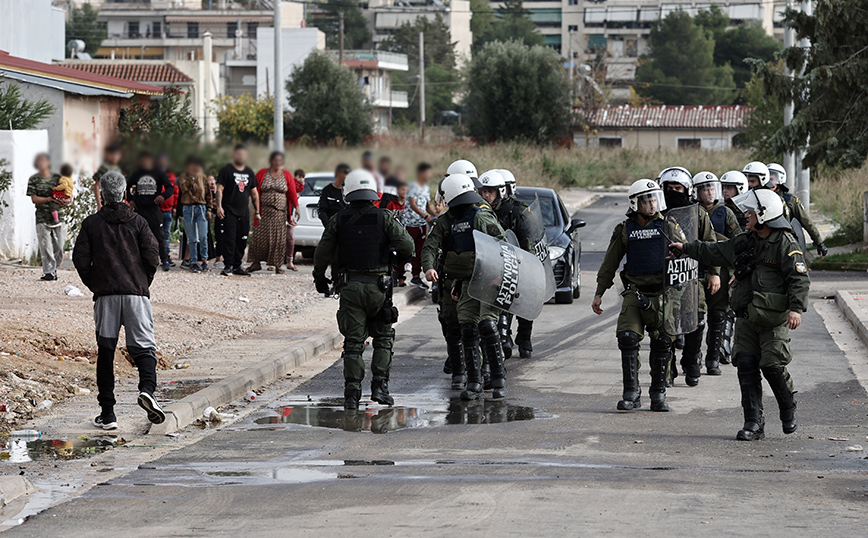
309	229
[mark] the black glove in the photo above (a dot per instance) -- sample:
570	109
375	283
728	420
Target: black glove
322	285
822	250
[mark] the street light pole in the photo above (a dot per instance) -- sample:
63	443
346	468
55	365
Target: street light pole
278	80
422	83
789	156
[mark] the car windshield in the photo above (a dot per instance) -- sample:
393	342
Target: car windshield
548	207
313	186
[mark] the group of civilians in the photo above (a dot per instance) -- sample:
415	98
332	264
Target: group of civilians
215	211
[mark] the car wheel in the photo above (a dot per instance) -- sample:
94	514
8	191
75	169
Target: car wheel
564	297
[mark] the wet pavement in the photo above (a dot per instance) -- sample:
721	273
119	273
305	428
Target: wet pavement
568	463
21	450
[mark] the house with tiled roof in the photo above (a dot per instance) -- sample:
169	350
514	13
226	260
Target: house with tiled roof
157	73
664	127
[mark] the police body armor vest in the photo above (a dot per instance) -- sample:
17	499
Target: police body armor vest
362	240
646	248
509	214
718	219
460	233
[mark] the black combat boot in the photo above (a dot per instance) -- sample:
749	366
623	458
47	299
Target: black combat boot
472	361
628	342
351	398
456	357
779	380
691	356
380	392
726	340
505	331
522	338
661	349
749	382
714	341
493	352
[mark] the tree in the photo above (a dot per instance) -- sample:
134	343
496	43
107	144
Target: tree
733	45
17	113
763	122
480	20
830	117
680	69
439	47
512	23
245	118
83	24
517	92
356	31
166	125
327	102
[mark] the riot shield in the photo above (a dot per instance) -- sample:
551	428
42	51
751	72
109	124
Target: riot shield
511	238
507	277
681	286
532	227
799	232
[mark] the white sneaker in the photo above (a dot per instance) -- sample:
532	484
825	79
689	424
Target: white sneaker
113	425
149	404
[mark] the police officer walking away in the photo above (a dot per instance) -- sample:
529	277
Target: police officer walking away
725	225
797	211
363	235
642	238
453	233
769	296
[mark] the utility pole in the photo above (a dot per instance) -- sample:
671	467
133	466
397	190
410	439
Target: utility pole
804	183
422	83
790	157
207	54
572	71
278	80
341	39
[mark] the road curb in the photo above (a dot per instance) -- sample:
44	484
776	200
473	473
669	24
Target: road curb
852	312
12	487
183	412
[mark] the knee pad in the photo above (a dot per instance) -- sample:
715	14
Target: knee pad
628	340
453	332
716	316
487	328
469	331
747	362
661	344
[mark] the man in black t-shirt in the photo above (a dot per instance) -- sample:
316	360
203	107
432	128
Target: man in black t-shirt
331	199
236	186
146	189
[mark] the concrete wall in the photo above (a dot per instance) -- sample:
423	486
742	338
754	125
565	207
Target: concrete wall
18	222
196	71
53	124
665	139
83	135
297	44
32	29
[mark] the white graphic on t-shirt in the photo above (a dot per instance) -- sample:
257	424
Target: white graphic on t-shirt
146	186
241	180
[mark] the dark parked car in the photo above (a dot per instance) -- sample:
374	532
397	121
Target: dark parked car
562	234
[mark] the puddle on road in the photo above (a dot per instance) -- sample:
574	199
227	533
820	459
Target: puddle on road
176	390
21	451
329	413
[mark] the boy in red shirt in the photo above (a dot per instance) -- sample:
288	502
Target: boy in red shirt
398	205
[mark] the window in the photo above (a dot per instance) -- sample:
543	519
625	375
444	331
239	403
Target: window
689	143
157	28
573	2
573	28
193	30
133	29
610	142
251	29
230	29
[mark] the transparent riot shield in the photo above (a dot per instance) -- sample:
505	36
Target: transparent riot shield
532	227
681	286
799	232
507	277
511	238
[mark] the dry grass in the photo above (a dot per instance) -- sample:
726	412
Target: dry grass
532	165
839	196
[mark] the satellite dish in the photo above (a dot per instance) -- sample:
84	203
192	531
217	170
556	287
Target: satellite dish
75	46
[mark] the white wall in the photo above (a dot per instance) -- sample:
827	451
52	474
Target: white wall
23	32
297	43
18	222
195	69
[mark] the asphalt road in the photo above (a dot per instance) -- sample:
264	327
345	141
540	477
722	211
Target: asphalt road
555	458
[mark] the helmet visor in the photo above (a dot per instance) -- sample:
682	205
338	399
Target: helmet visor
709	192
776	178
649	203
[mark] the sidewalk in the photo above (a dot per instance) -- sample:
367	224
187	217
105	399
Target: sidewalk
854	306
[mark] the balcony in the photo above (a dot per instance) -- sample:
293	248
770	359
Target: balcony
390	99
374	59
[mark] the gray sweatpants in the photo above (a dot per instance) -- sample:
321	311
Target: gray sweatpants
51	239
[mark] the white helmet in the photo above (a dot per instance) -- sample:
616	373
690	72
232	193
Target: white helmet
662	172
457	189
509	178
777	174
707	187
758	169
677	175
767	205
463	166
360	185
736	179
646	190
493	180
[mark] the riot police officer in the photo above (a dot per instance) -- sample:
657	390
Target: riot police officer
363	236
725	225
642	238
732	184
678	190
453	233
769	296
797	211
